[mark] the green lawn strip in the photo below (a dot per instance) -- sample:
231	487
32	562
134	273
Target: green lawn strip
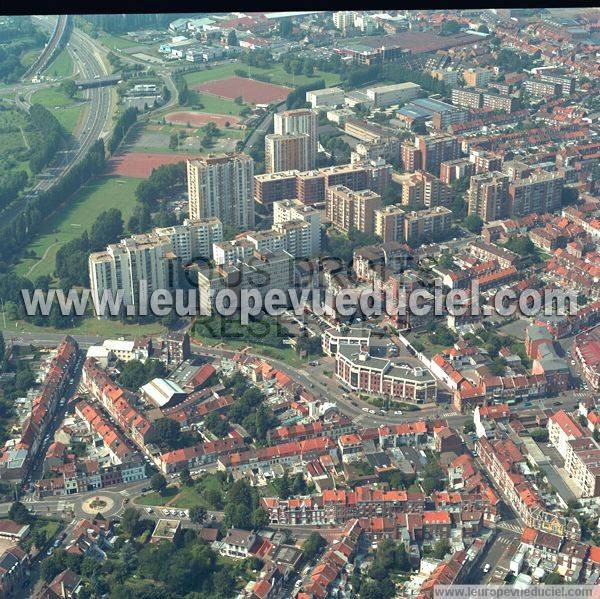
116	43
156	498
76	216
276	72
214	104
61	66
66	110
103	328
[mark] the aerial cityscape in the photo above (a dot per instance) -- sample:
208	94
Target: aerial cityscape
300	304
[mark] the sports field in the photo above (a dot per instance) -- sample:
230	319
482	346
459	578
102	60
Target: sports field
250	90
276	74
197	119
141	164
78	215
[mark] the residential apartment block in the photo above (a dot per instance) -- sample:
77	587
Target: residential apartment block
540	192
435	149
424	188
349	209
427	225
145	259
389	223
288	152
260	271
222	187
488	196
300	121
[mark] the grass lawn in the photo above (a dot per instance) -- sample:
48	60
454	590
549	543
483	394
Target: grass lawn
116	43
92	326
66	110
214	104
79	214
50	526
61	66
156	498
187	498
278	75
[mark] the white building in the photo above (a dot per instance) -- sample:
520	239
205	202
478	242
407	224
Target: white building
194	238
222	187
302	120
226	252
125	265
286	211
326	97
386	95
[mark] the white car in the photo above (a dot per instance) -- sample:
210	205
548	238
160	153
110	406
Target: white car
487	568
365	409
398	412
371	411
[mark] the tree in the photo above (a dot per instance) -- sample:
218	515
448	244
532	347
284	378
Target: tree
213	498
312	545
107	228
450	27
130	521
232	39
483	28
158	483
186	478
40	538
540	435
474	223
299	485
223	583
197	514
174	141
441	549
19	513
69	88
141	219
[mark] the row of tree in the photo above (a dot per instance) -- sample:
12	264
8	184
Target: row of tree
16	234
71	265
125	121
48	137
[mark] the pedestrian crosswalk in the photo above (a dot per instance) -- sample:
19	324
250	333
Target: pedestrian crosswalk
447	414
511	526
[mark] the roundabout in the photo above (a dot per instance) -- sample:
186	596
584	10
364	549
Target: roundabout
98	504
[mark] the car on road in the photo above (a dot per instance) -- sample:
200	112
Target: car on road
398	412
371	411
487	568
49	552
365	409
149	510
57	543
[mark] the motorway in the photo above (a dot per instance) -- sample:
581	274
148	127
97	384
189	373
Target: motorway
44	58
89	64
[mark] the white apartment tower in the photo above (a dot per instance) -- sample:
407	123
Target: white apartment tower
294	122
222	187
194	239
146	257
